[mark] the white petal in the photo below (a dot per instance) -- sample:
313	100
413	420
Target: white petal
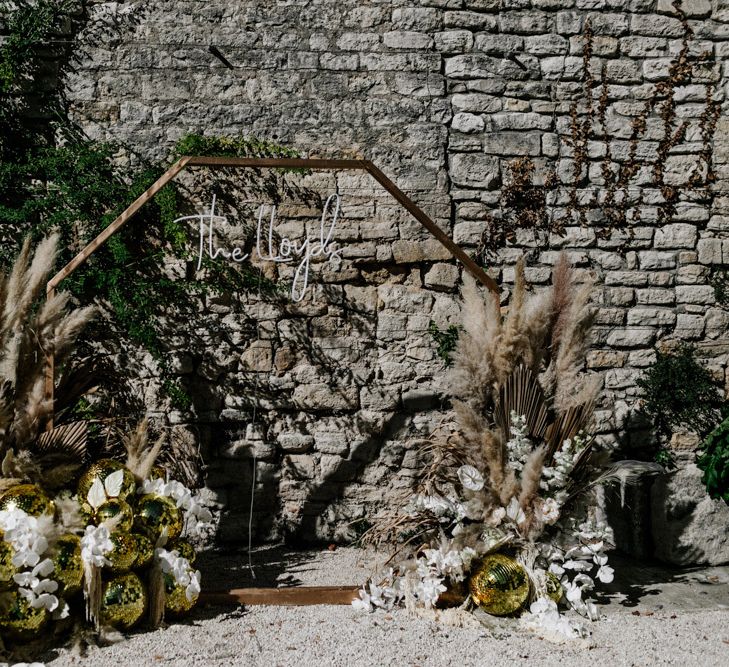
96	496
113	483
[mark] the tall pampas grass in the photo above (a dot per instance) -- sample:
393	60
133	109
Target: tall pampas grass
30	329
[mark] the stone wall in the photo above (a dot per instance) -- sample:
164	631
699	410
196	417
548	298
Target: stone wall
441	95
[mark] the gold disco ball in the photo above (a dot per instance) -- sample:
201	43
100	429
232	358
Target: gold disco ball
124	553
154	513
101	470
554	587
7	569
500	586
112	508
145	551
123	601
69	569
184	548
27	497
18	620
176	602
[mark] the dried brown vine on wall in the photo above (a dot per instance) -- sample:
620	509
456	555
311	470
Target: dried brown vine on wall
618	203
523	205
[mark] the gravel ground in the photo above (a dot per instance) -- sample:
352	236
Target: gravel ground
661	617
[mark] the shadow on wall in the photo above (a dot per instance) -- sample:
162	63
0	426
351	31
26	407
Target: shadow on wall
280	383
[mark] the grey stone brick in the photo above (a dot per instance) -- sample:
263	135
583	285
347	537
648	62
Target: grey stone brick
454	41
474	21
467	122
529	23
512	143
679	235
475	170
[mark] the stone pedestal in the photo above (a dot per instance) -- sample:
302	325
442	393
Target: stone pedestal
670	518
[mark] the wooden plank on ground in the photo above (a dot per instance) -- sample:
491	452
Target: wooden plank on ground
286	597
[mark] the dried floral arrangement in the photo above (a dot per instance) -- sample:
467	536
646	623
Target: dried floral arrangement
504	516
85	546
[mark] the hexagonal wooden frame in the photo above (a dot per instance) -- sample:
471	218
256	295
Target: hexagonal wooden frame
252	163
311	594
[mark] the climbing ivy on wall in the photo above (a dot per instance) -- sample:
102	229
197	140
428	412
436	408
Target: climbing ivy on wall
614	200
52	177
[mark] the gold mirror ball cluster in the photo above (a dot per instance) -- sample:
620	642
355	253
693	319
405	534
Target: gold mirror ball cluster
139	523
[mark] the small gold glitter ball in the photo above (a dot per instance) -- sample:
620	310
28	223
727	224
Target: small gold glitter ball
7	569
155	513
500	585
123	601
554	587
184	548
69	568
176	602
27	497
114	507
19	621
124	553
101	470
145	551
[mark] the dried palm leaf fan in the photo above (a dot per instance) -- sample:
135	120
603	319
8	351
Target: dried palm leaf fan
522	394
29	330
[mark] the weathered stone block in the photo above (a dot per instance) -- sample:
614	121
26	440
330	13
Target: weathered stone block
476	66
700	294
472	170
652	260
407	39
324	397
688	527
295	442
655	296
475	21
258	357
526	23
416	18
442	276
651	317
631	338
476	103
454	41
512	143
710	251
408	252
466	122
690	327
519	121
678	235
655	25
546	45
332	443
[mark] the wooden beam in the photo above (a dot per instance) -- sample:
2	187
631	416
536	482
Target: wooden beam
286	597
115	226
474	269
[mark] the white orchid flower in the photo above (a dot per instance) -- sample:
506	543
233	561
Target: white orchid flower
95	545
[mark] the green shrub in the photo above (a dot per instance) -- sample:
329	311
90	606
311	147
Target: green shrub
679	392
714	461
